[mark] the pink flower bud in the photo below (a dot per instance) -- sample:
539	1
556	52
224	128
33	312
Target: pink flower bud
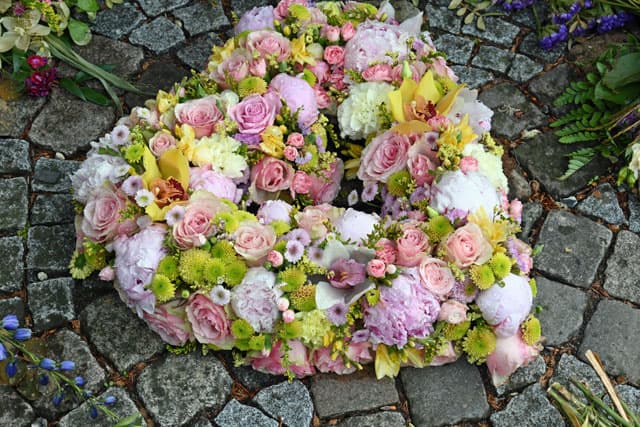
288	316
376	268
468	164
275	258
290	153
107	274
283	304
391	269
295	139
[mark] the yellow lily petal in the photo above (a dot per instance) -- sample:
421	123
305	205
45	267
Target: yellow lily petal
151	170
155	212
412	126
398	98
415	357
428	88
174	164
444	105
386	365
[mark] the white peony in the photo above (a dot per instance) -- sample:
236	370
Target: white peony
467	192
354	225
489	165
479	114
359	114
506	307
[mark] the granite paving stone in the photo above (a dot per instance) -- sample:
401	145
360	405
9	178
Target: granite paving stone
493	58
205	387
473	77
574	247
202	422
602	203
529	409
531	46
622	276
364	391
519	187
202	17
251	378
118	21
404	9
548	86
123	407
630	395
524	68
545	160
14	410
441	18
13	305
379	419
14	208
118	333
53	175
512	112
15	115
498	31
156	7
62	125
525	375
160	74
196	53
562	312
52	208
14	156
527	17
446	394
634	213
570	367
458	49
241	6
51	303
612	334
277	402
236	414
50	247
531	213
11	270
159	36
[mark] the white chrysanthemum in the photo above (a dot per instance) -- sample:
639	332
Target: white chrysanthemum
94	172
220	152
467	192
489	165
359	114
479	114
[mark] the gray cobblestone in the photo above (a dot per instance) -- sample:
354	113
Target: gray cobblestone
52	175
602	203
11	270
12	306
493	58
473	77
159	36
623	268
236	414
15	115
276	401
52	208
379	419
531	408
523	68
118	21
15	203
14	156
202	17
196	54
50	248
441	18
498	31
512	111
156	7
458	49
51	303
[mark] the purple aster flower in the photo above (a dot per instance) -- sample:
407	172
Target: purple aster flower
302	160
174	215
361	335
337	313
132	185
248	139
120	135
299	234
315	254
220	295
369	192
294	251
460	292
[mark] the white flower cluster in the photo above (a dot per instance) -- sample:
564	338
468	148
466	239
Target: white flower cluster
359	114
489	165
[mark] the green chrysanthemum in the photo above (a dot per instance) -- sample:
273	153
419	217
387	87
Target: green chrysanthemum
223	250
80	268
280	227
133	153
241	329
438	227
280	246
215	271
229	219
162	288
251	85
373	296
501	265
193	267
234	272
293	278
245	216
256	342
455	332
303	298
291	330
168	267
482	276
399	184
531	330
479	343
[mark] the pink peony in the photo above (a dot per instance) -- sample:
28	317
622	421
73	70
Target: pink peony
209	321
201	114
196	224
375	42
505	307
385	155
215	183
274	210
326	184
412	246
299	97
256	299
467	245
468	192
168	321
270	176
253	241
255	112
453	311
510	353
101	215
269	44
258	18
436	276
300	364
386	251
161	142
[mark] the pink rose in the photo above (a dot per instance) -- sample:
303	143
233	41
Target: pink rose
196	225
347	31
337	79
439	122
282	9
386	251
299	97
322	97
258	67
161	142
376	268
412	246
235	67
275	258
301	183
269	44
313	219
255	112
204	178
321	71
201	114
331	32
101	214
334	55
468	164
326	184
385	155
436	276
209	321
290	153
423	158
168	321
272	362
510	353
378	73
467	246
295	139
270	175
453	311
253	241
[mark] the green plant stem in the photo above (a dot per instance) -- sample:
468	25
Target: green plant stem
600	404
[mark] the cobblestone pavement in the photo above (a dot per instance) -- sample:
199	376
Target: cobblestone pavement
588	272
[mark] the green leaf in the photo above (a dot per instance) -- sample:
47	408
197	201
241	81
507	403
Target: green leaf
79	32
88	5
72	87
96	97
620	97
625	71
130	421
577	160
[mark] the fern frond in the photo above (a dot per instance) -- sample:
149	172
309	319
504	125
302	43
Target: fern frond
577	160
580	137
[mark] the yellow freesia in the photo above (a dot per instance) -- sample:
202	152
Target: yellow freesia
165	101
459	135
187	136
386	364
299	52
494	231
273	142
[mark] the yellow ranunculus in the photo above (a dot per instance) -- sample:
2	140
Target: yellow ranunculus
272	142
494	231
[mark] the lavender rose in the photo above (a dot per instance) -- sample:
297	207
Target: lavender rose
209	321
254	113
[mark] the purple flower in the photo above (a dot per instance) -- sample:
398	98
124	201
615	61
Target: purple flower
299	234
67	365
132	185
47	364
110	400
315	254
10	322
79	381
11	369
361	335
22	334
120	135
337	313
294	251
40	82
220	295
345	273
3	352
460	292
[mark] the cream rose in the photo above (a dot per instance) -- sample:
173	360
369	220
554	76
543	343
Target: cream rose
253	241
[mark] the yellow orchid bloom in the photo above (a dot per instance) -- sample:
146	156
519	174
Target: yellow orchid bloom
165	101
172	164
273	142
386	364
187	136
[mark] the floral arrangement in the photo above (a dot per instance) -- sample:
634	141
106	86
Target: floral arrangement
210	207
